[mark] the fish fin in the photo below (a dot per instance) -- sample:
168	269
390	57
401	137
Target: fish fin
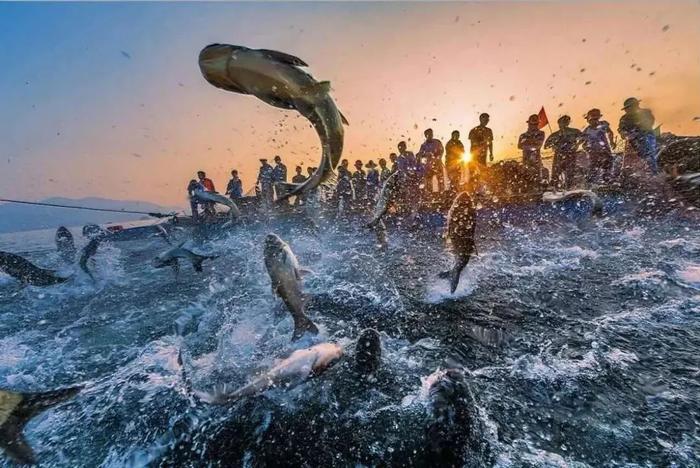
197	264
321	87
283	57
444	274
304	271
343	119
30	405
302	325
220	395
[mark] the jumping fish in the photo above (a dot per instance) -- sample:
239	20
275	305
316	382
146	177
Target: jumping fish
16	409
172	256
275	78
285	275
87	253
595	200
461	222
386	197
25	271
65	244
298	367
214	197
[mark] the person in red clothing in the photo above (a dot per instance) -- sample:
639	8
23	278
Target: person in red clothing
209	187
205	181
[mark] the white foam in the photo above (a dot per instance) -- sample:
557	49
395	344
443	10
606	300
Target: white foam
690	274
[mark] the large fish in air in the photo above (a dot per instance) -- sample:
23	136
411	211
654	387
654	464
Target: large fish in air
277	79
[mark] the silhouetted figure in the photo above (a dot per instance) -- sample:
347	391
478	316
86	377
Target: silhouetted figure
637	129
298	178
432	151
264	183
598	141
359	183
393	157
373	181
454	154
481	139
344	190
234	189
384	171
531	142
565	143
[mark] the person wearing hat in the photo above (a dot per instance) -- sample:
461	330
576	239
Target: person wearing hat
531	142
598	141
637	129
264	183
565	143
373	181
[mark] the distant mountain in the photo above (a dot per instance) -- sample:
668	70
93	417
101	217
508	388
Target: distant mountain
16	217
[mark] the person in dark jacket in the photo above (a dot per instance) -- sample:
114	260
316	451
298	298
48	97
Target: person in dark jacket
234	189
637	129
454	152
565	143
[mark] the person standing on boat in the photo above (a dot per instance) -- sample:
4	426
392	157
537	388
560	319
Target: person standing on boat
598	141
208	185
373	181
384	171
264	183
344	190
531	143
192	188
481	139
454	152
298	178
279	175
432	150
234	189
407	176
359	183
637	129
393	157
565	143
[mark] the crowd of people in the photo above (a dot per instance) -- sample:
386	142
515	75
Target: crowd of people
423	173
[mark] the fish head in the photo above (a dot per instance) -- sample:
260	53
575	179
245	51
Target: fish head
214	62
274	245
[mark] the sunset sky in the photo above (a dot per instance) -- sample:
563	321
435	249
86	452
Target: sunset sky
107	99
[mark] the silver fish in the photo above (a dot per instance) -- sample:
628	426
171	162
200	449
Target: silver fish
275	78
25	271
214	197
595	200
172	257
386	197
298	367
285	275
461	223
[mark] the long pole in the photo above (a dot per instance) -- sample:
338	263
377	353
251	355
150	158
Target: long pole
55	205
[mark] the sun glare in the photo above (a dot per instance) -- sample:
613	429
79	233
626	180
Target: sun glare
466	157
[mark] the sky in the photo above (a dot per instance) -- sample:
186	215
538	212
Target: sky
106	99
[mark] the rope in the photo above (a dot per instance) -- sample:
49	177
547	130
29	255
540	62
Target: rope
55	205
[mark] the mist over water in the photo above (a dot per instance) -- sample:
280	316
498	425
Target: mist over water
581	336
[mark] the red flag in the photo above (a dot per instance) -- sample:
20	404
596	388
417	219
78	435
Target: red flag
543	120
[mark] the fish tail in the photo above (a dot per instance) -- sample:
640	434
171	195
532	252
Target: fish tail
457	272
303	324
29	405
